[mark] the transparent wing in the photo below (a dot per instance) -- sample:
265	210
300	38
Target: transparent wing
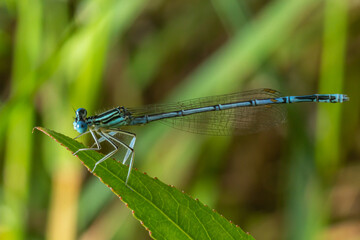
241	120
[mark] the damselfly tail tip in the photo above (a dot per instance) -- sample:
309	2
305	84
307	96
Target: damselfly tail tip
346	98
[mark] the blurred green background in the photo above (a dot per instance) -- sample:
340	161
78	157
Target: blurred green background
299	181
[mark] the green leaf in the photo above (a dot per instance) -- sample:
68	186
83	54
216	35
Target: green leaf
163	210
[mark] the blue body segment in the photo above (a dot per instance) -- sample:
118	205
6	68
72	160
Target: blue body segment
326	98
236	113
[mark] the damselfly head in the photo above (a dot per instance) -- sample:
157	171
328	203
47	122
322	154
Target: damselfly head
79	123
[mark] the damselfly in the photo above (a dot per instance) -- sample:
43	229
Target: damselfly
236	113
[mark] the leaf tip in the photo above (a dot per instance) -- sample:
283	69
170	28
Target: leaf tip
39	129
34	129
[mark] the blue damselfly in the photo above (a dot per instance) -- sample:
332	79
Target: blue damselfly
236	113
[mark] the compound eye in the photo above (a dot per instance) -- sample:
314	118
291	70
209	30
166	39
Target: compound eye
80	126
81	113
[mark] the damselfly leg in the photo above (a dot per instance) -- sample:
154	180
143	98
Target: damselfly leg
109	137
97	143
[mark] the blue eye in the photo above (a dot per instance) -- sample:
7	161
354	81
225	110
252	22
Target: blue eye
81	113
80	126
